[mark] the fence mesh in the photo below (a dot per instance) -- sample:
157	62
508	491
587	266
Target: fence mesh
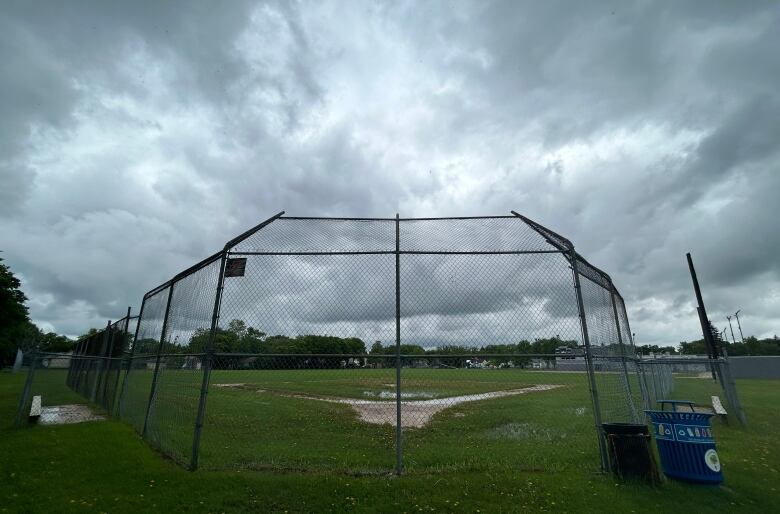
372	345
142	363
179	378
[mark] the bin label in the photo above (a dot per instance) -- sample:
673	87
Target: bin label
693	434
663	431
711	460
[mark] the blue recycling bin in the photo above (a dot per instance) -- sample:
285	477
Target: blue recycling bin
685	443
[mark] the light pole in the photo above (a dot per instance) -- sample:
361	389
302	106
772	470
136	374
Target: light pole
732	330
741	337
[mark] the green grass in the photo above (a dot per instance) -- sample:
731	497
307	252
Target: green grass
534	452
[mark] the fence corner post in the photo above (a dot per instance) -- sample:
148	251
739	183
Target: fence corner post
398	430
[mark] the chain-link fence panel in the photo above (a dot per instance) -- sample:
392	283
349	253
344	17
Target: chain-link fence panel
614	383
293	343
701	380
47	398
137	382
179	381
496	337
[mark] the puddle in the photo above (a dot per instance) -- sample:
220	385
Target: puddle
67	414
390	395
417	414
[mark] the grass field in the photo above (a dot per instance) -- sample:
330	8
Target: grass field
267	448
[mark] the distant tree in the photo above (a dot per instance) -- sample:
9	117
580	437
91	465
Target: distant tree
14	316
692	348
51	342
376	350
655	349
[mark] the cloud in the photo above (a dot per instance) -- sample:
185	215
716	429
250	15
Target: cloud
135	139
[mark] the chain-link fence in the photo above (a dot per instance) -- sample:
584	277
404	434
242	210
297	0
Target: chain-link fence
79	386
372	345
696	378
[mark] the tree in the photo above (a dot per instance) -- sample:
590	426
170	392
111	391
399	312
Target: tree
14	316
692	348
647	349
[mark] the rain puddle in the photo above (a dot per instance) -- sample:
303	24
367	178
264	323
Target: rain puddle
390	395
67	414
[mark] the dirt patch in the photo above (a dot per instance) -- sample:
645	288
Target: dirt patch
67	414
417	414
233	386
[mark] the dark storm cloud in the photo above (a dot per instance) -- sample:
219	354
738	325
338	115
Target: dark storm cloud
137	137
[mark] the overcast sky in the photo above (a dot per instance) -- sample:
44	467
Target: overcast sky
137	137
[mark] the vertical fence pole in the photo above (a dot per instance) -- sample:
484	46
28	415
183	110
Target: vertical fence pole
153	390
25	399
108	365
99	364
123	394
642	378
594	394
120	362
207	363
398	449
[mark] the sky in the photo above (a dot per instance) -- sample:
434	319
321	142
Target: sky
136	138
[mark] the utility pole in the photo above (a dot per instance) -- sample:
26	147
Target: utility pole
732	330
741	337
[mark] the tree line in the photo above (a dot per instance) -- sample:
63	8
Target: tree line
16	328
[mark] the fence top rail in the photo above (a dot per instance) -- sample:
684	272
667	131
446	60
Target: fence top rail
437	218
402	252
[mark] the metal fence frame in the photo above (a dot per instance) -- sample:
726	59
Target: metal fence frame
98	351
580	268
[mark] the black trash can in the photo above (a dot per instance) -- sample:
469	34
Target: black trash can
628	445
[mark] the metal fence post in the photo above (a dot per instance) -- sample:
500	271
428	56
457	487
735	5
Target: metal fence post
120	363
23	401
153	389
207	362
589	362
210	349
642	379
123	394
99	364
398	448
107	365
